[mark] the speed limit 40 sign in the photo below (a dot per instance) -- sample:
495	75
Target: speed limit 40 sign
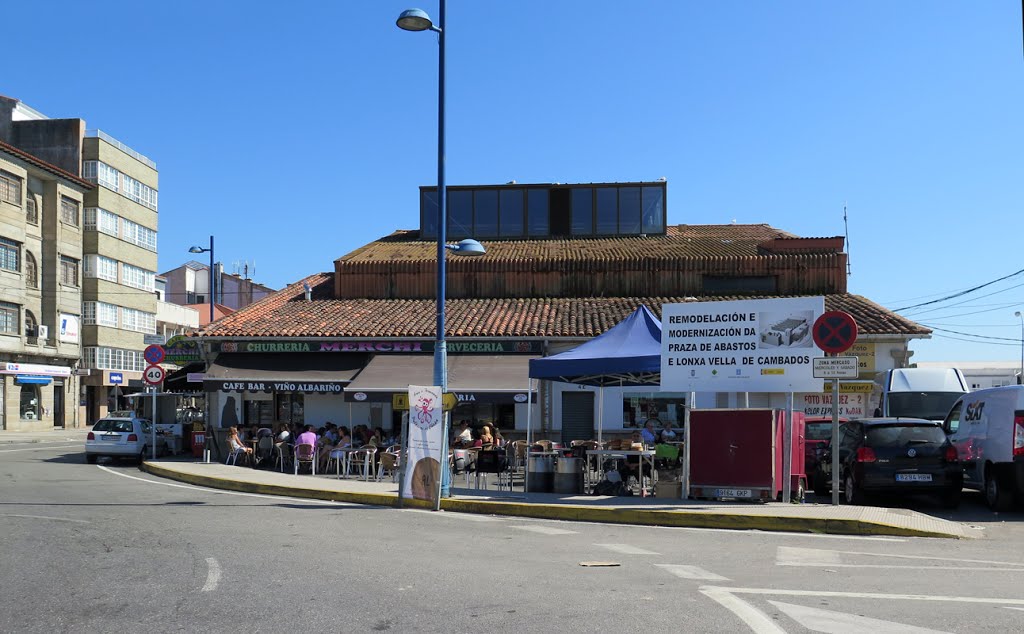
153	375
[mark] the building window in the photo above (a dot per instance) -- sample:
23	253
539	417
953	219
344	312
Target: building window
138	278
101	267
582	211
137	320
69	210
511	214
9	322
113	359
290	408
31	325
10	188
730	284
30	402
99	314
68	271
537	212
31	211
9	251
139	235
31	271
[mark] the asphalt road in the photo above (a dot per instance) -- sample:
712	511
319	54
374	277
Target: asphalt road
105	548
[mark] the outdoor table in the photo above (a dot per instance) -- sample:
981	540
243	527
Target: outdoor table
643	454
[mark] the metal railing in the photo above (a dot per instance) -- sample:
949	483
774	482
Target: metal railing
100	134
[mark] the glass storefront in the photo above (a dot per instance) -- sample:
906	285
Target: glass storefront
665	406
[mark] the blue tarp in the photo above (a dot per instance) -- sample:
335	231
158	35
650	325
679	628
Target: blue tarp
629	353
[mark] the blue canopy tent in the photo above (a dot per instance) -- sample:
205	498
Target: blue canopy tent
628	353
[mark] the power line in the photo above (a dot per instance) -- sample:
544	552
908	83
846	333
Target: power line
968	301
980	343
967	334
961	293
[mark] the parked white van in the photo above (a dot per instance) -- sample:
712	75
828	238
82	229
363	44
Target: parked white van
987	429
918	392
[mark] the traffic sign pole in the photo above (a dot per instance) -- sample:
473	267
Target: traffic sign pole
834	332
152	422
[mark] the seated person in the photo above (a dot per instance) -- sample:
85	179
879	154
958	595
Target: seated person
308	437
464	437
485	440
235	442
648	434
667	433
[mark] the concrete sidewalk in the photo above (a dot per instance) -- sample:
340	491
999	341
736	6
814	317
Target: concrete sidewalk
55	435
649	511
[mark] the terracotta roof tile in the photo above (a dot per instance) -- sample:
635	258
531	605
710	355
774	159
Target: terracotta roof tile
679	241
287	314
53	169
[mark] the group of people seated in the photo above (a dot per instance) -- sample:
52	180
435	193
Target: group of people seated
487	436
328	439
650	435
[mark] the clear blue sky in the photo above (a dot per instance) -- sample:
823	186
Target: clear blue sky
298	131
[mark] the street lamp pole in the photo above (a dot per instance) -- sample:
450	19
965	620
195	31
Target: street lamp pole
1020	377
210	292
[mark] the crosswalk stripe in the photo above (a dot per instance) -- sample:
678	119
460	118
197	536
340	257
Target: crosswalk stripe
545	530
691	572
626	549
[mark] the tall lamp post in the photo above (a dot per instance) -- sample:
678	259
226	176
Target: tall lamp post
210	292
418	20
1020	377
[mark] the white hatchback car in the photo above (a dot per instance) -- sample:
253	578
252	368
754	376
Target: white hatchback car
121	437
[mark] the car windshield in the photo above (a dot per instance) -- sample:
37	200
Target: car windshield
901	435
113	425
927	405
818	431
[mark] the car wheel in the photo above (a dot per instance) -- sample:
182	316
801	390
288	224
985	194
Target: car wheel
91	458
142	457
852	492
997	496
951	497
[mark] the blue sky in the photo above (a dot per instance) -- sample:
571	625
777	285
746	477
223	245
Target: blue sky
296	132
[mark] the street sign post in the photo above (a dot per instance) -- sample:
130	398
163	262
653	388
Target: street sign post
834	332
836	367
154	354
153	375
400	401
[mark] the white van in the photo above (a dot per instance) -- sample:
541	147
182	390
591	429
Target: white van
987	429
918	392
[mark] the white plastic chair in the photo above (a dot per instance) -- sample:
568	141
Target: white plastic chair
305	454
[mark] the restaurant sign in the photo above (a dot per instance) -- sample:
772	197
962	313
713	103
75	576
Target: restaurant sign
309	387
463	397
381	346
181	351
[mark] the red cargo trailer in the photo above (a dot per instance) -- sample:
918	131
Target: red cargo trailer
738	453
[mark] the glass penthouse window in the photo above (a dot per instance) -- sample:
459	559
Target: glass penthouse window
521	211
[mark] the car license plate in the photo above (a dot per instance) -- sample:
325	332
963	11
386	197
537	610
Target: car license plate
913	477
734	493
114	437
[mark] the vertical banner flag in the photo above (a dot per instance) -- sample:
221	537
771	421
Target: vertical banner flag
423	449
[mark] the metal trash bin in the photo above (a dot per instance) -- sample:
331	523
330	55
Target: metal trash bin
539	474
568	475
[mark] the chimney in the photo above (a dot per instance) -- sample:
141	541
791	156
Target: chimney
308	290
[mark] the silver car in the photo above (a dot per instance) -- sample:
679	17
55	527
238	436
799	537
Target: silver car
121	437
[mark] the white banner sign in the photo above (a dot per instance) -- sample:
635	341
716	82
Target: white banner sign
423	448
755	345
68	328
31	368
819	405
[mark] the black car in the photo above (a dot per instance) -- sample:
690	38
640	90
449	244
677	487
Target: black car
895	455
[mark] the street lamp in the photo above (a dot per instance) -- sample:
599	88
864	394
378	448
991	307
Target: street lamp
418	20
210	291
1020	377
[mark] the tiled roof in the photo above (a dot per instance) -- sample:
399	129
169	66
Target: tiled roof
287	314
38	162
679	241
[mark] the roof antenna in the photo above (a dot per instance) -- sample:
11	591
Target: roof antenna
846	227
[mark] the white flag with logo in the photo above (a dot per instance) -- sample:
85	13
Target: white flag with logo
423	450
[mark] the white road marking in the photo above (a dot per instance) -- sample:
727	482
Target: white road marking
946	559
194	487
1008	607
470	517
626	549
46	517
212	576
789	556
691	572
830	622
755	619
545	530
41	448
760	623
887	567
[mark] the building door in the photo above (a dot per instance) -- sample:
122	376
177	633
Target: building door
577	416
58	404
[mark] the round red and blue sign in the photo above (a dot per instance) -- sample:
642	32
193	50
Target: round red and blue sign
834	332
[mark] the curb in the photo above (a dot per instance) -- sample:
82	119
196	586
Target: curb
568	512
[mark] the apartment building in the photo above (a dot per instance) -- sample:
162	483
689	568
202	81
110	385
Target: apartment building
188	285
118	252
40	292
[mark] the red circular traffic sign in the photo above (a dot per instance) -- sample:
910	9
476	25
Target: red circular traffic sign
154	354
153	375
835	331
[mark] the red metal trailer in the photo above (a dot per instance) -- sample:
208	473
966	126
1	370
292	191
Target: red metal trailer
738	453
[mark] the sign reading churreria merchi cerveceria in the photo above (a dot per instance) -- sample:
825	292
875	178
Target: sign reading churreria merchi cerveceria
757	345
382	346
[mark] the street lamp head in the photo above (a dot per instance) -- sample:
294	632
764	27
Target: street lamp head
415	20
197	250
1016	314
468	247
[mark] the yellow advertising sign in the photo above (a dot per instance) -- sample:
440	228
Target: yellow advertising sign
400	401
865	353
773	371
862	387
